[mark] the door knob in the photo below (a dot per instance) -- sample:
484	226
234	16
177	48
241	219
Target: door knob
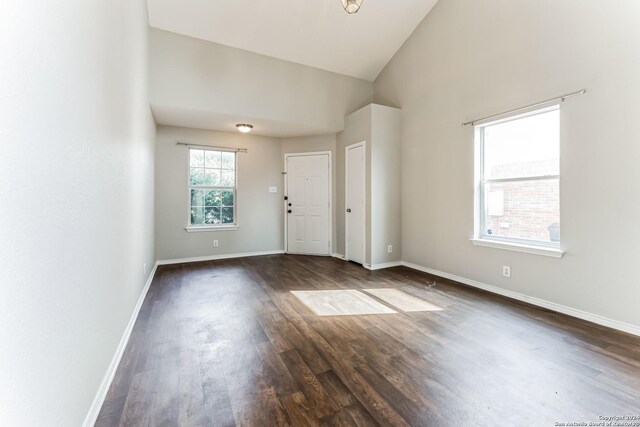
289	211
348	210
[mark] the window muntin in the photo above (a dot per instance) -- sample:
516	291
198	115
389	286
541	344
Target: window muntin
519	186
212	188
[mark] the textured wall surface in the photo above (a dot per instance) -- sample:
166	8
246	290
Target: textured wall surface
259	213
470	59
76	199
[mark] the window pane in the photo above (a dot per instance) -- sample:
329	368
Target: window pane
228	160
228	178
212	215
227	215
213	198
523	210
197	158
215	169
197	215
212	177
197	176
212	159
227	198
524	147
197	198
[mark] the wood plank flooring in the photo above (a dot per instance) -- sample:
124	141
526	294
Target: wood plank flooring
226	343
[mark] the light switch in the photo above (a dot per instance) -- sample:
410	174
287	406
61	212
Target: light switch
273	189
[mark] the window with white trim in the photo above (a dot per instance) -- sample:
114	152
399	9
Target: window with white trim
518	191
212	188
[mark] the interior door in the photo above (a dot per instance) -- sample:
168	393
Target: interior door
355	203
307	205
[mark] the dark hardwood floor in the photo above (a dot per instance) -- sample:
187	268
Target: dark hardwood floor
225	343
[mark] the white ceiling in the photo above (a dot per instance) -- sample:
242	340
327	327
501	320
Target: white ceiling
317	33
199	119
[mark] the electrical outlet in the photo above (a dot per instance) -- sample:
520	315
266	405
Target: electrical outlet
506	271
215	243
389	249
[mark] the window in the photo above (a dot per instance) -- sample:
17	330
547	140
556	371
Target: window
518	198
212	188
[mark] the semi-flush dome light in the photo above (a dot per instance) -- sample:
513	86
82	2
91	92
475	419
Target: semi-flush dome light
244	127
351	6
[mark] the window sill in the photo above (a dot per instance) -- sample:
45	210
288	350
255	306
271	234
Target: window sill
211	228
530	249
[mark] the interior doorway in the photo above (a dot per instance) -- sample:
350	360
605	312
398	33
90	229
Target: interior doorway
355	202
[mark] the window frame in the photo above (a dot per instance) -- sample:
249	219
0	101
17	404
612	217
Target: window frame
481	238
212	227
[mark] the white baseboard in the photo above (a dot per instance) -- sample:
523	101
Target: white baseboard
373	267
594	318
94	411
216	257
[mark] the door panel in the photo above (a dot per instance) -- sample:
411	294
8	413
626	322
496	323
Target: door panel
299	228
315	191
316	228
355	204
299	191
308	192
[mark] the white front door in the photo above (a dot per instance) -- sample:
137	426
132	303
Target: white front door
307	204
355	203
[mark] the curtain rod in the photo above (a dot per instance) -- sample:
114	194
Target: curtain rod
557	98
238	150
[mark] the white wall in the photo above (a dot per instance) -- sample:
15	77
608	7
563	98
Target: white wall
357	128
76	199
198	76
385	184
259	213
469	59
379	126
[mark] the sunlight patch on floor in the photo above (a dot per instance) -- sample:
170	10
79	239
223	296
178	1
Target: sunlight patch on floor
402	300
341	303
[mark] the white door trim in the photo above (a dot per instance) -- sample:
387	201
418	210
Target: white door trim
286	193
364	195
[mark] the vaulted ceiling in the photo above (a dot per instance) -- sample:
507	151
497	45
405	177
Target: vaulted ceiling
317	33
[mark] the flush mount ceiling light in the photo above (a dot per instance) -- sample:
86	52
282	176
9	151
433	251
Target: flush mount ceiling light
351	6
244	127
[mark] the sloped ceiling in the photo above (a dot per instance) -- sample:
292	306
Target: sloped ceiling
317	33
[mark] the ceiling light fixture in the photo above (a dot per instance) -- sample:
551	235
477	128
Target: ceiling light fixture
351	6
244	128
